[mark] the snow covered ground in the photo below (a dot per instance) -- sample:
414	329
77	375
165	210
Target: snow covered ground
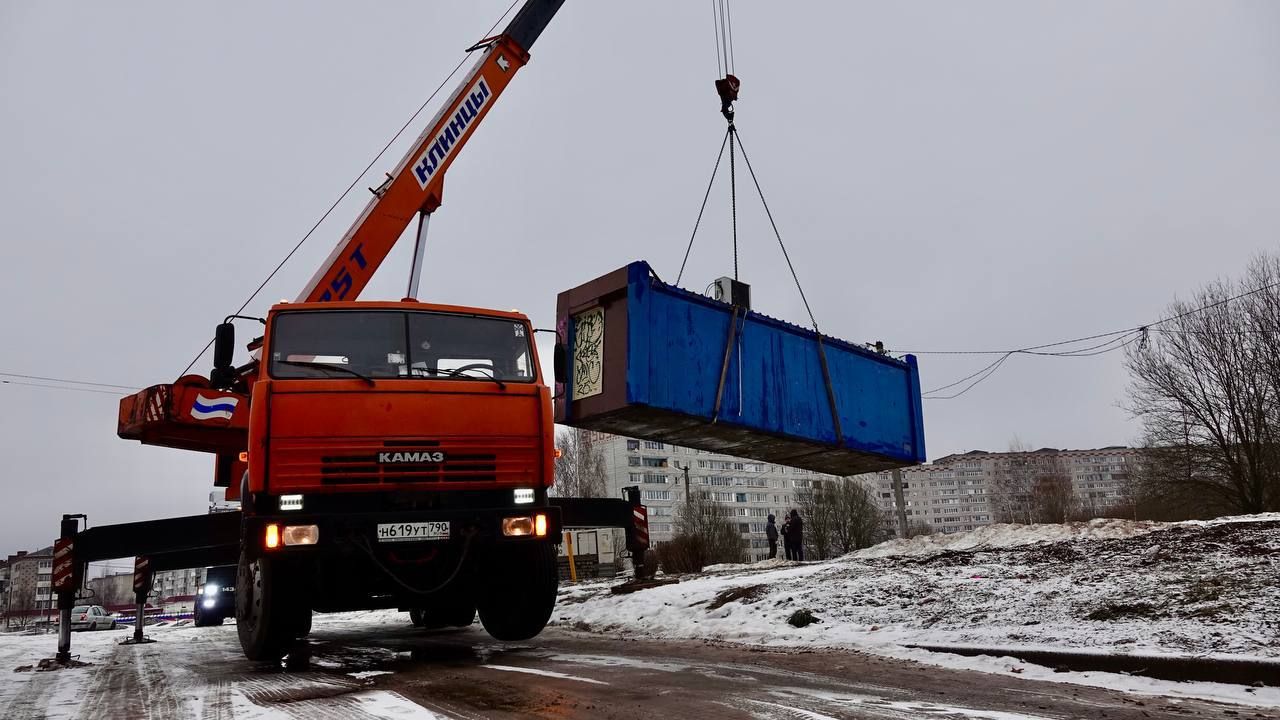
1109	585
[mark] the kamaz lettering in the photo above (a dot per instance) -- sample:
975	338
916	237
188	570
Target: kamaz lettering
449	138
410	457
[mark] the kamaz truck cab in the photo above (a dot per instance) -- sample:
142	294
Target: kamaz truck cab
399	456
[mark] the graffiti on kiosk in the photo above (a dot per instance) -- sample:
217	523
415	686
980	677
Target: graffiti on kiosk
588	353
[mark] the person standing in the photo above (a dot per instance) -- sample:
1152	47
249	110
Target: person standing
794	536
771	532
786	536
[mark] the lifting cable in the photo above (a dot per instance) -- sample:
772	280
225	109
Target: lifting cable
355	182
727	88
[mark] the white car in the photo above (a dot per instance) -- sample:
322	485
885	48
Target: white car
91	617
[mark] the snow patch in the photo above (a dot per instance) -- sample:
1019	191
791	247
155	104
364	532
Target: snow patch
544	673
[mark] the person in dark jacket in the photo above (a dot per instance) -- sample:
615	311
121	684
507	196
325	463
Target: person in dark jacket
786	536
793	536
771	532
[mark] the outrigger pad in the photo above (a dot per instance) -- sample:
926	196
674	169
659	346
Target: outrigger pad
650	360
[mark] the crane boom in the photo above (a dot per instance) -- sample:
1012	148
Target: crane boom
417	184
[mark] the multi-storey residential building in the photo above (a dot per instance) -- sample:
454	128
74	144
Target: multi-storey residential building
962	492
751	490
178	583
29	585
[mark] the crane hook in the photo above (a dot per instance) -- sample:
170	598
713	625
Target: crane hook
727	89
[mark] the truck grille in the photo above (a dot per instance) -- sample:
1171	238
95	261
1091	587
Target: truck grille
480	461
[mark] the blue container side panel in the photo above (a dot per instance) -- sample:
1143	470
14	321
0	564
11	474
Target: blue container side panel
917	408
774	382
638	333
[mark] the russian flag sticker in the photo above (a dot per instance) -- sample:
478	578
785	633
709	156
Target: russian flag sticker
219	407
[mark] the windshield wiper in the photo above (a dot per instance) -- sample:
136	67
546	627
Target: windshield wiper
328	366
458	374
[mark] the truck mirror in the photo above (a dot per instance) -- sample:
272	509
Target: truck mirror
560	363
224	346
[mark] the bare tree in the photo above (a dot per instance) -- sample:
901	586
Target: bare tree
840	516
1052	497
580	470
1206	384
708	522
1013	485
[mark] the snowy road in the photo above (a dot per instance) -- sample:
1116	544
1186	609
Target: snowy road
374	665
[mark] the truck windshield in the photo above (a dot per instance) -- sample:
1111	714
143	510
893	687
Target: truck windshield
394	344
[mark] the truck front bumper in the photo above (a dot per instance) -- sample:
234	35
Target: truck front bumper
337	528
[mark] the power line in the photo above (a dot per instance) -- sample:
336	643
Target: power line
60	387
1118	340
1136	328
65	380
354	182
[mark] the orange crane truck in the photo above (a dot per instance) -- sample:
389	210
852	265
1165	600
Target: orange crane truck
385	454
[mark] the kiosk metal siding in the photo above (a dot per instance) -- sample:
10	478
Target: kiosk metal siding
674	349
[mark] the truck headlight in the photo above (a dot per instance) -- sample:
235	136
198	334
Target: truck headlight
208	602
516	526
525	525
524	496
210	590
301	534
290	502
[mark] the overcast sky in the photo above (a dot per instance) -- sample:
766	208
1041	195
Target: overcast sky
948	176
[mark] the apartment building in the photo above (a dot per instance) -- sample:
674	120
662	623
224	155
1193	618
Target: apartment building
29	585
751	490
969	490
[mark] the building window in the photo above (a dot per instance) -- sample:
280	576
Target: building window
656	494
633	461
651	445
655	462
655	478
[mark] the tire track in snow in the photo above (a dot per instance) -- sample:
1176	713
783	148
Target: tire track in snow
133	683
32	701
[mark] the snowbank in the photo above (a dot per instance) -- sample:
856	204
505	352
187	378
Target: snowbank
991	537
1109	585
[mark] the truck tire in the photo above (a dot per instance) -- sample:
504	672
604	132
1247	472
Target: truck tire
268	614
519	590
461	616
303	628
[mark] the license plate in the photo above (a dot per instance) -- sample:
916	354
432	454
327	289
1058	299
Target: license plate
407	532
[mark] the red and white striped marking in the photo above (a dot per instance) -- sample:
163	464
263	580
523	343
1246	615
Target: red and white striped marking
141	574
64	565
640	516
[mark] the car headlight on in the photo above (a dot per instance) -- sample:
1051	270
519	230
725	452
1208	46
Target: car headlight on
210	590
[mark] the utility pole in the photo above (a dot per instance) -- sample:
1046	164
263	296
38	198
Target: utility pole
899	504
686	483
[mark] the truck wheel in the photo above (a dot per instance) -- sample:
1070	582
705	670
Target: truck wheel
303	620
267	613
519	592
461	616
